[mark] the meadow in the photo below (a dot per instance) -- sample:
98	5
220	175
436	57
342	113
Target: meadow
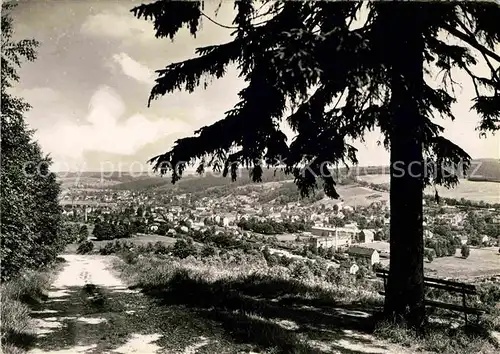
482	262
489	192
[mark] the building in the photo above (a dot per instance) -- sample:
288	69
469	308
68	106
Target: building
332	237
366	236
365	253
328	241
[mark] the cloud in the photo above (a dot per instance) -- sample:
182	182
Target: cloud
105	130
40	94
118	24
134	69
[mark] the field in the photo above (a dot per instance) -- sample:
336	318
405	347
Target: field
488	192
137	240
355	195
71	182
141	240
481	262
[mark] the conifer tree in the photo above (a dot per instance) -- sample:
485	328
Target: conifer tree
340	80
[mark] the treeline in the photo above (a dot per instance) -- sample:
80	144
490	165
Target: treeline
33	232
271	227
441	247
104	230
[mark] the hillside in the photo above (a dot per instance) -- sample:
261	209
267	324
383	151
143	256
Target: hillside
485	170
195	183
481	170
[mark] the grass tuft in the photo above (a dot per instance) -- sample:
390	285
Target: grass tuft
16	299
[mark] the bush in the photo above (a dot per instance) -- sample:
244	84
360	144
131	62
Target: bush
85	247
107	249
161	248
208	251
465	251
183	248
130	257
299	270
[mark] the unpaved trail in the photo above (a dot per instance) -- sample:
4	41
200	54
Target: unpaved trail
90	310
86	294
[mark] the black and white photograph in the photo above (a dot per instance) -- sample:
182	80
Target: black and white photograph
250	176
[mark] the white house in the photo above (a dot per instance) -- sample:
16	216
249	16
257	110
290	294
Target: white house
366	236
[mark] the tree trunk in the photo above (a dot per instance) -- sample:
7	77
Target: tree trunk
405	290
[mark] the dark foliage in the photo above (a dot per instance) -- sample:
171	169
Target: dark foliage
85	247
340	81
31	218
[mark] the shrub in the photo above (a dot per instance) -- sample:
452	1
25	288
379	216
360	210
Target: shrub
130	257
161	248
465	251
183	248
208	251
85	247
107	249
299	270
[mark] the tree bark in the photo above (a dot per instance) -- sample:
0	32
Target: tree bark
405	290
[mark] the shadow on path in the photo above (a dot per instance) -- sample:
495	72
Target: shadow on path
267	315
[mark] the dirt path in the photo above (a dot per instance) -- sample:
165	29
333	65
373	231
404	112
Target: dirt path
90	310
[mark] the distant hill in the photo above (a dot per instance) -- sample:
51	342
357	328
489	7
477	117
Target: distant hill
484	170
481	170
116	176
195	183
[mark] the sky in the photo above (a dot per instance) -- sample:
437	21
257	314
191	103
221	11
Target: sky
90	85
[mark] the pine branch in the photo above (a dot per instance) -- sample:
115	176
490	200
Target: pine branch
471	41
493	71
217	23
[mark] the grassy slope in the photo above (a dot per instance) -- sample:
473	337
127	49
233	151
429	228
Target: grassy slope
485	170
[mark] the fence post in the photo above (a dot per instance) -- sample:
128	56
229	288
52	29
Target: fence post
464	305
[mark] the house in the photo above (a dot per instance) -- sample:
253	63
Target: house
366	236
364	253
